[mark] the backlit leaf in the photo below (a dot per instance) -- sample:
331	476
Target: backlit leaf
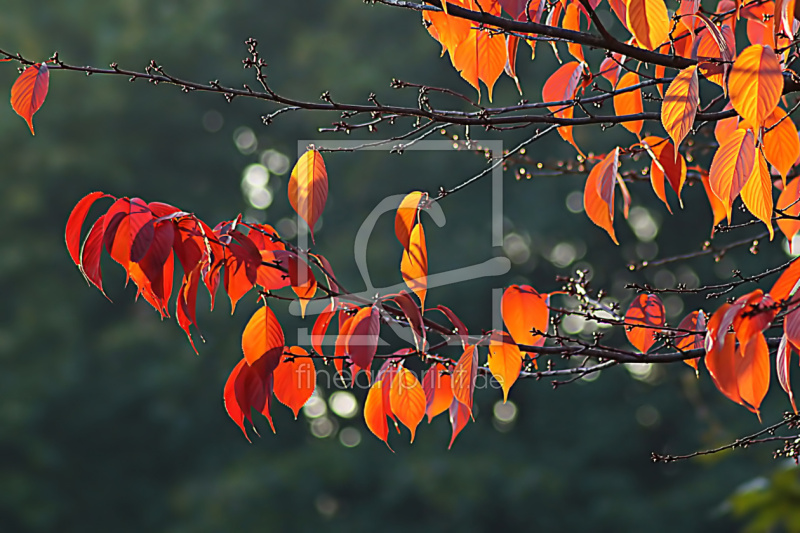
72	235
644	318
248	387
629	103
481	56
414	264
598	194
648	20
718	209
787	283
755	83
295	379
757	192
263	338
572	21
783	359
694	321
438	391
562	86
407	399
464	374
29	91
459	417
505	361
732	166
680	104
721	364
374	414
781	144
789	203
362	340
321	327
752	372
666	162
308	188
406	217
523	310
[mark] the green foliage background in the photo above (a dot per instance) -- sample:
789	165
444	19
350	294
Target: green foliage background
110	422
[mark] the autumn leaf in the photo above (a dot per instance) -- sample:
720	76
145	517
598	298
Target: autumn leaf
407	399
414	264
481	56
524	310
72	234
248	387
721	364
694	321
362	340
505	361
643	319
648	20
757	192
718	209
374	414
788	203
263	338
308	188
680	104
732	166
464	373
407	215
460	328
629	103
294	379
459	417
438	390
598	194
752	373
780	142
321	326
29	91
755	83
449	30
562	86
787	283
413	316
666	162
572	21
783	359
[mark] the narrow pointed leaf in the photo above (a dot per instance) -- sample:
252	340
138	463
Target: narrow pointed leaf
308	188
29	91
680	104
438	390
414	264
407	399
757	193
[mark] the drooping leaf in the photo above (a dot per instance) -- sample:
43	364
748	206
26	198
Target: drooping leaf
757	192
90	255
752	372
414	264
407	399
629	103
459	417
787	283
308	188
464	374
295	379
755	83
562	86
791	327
721	364
644	318
72	235
263	338
572	21
598	194
438	390
362	340
680	104
781	144
321	327
648	20
413	316
248	387
406	217
524	310
694	321
789	203
481	56
374	414
718	209
666	162
449	30
732	166
29	91
460	328
505	361
783	359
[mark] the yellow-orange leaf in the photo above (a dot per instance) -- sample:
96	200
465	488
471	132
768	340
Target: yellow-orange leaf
562	86
598	194
29	91
505	361
295	379
789	203
449	30
781	144
752	372
414	265
406	217
308	188
680	104
732	166
756	83
629	103
718	209
648	21
407	399
666	162
644	318
481	56
524	310
374	413
438	390
572	21
464	373
263	337
757	192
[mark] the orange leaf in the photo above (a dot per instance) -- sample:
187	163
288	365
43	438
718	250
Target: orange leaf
680	104
308	188
295	379
718	208
732	166
505	361
263	338
782	362
572	21
752	372
598	195
610	69
667	163
248	387
459	416
438	391
781	144
406	217
374	414
791	327
512	45
787	283
481	56
789	203
321	326
450	30
696	321
464	374
562	86
629	103
29	91
721	364
414	265
523	309
362	340
644	318
757	193
756	83
648	21
407	399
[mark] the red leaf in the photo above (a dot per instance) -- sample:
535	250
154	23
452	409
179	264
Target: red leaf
75	222
29	91
362	341
460	328
752	372
90	255
696	321
321	326
643	320
142	229
413	316
295	379
787	283
438	392
186	304
263	338
374	414
782	362
248	387
721	364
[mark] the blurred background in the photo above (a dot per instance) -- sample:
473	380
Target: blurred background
110	422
